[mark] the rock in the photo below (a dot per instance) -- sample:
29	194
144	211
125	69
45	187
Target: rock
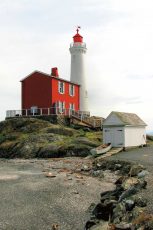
131	191
123	226
97	173
115	194
55	227
32	137
135	169
89	224
118	212
86	141
50	174
129	182
118	166
120	180
129	204
79	176
149	224
117	172
91	208
140	202
113	165
50	150
101	226
69	178
85	168
137	211
56	129
143	173
141	185
75	192
121	206
103	211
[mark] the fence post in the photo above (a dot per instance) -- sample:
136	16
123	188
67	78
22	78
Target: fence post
101	124
94	123
81	117
48	111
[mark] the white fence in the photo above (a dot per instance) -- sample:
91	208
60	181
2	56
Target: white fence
83	116
44	112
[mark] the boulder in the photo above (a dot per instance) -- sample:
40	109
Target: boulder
112	195
101	226
103	211
127	183
123	226
86	141
118	212
140	202
135	169
129	204
143	173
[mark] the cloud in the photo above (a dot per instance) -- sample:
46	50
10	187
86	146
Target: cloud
139	77
36	35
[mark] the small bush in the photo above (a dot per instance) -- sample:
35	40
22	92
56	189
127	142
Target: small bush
2	138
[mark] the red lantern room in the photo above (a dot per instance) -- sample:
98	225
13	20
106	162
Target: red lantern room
78	37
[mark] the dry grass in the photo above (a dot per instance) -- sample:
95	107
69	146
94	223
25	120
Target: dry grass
143	218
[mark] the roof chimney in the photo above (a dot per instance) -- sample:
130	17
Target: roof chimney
54	72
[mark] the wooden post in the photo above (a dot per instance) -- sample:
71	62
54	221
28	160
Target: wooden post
81	117
101	123
94	123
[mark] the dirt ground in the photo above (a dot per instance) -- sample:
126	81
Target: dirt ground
29	200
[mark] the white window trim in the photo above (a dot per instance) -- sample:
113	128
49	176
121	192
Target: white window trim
72	106
59	87
72	95
61	106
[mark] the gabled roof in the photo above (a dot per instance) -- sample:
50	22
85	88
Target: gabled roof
130	119
47	75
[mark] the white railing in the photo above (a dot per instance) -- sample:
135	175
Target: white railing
83	116
44	112
78	44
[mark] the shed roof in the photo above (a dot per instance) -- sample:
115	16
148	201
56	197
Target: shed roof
129	118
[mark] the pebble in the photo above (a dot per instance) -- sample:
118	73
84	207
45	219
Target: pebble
50	175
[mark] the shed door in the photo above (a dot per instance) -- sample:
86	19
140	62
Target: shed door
115	136
118	137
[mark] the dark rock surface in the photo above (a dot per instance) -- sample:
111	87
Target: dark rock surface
122	208
31	137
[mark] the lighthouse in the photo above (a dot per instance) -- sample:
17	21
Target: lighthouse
78	68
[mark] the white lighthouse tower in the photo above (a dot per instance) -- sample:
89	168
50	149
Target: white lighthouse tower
78	68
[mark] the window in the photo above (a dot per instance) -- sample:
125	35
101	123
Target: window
72	106
71	90
34	110
61	106
61	87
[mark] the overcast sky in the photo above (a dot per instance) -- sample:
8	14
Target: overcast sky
35	35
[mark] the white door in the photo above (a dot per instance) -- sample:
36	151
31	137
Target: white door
115	136
118	137
108	135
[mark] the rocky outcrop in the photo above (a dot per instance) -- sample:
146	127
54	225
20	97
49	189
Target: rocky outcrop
124	207
30	137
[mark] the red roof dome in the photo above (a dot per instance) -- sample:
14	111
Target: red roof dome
78	37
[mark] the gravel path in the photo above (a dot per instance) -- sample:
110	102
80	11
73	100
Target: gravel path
142	156
31	201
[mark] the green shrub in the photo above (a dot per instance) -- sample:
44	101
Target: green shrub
2	138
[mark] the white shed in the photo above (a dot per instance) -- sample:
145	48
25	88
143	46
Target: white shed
124	130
